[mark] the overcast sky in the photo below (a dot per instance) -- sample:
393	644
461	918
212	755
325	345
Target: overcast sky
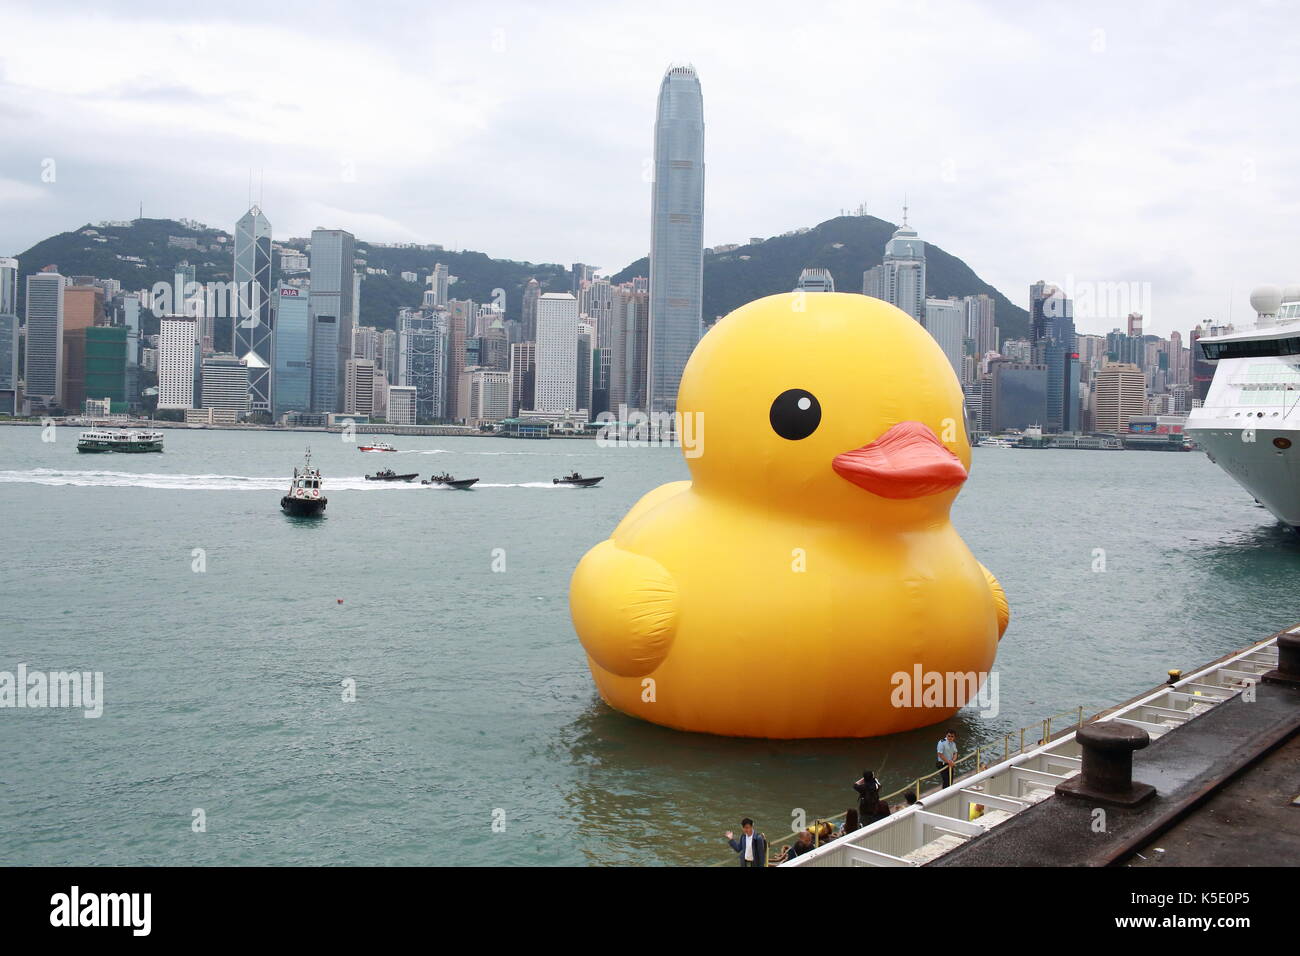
1086	144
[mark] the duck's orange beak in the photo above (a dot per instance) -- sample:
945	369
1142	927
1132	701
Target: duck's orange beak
908	461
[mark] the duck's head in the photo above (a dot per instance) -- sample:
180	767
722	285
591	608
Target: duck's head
827	404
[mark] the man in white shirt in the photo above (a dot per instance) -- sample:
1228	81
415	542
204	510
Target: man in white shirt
947	758
751	847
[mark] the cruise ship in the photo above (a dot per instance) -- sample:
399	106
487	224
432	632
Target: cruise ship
1249	424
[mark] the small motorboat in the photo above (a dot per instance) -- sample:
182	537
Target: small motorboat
387	474
447	481
576	480
376	446
306	497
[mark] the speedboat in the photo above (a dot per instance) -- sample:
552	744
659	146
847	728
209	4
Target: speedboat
576	480
387	474
376	446
306	496
445	480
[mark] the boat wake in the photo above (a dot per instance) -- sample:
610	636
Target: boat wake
127	479
448	451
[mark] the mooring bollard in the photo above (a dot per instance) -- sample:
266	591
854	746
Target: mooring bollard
1288	662
1107	774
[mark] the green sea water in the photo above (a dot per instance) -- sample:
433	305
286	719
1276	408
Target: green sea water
225	632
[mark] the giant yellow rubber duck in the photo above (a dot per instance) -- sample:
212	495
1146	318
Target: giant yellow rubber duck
810	560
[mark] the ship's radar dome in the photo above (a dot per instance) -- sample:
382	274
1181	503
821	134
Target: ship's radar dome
1266	299
1291	293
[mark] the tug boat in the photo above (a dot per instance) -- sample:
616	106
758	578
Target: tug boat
447	481
119	440
305	499
576	480
387	474
376	446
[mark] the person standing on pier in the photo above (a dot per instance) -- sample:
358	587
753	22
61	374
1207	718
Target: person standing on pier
751	847
947	758
868	788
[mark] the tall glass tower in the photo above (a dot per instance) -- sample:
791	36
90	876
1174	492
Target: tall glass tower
331	310
676	236
253	339
293	345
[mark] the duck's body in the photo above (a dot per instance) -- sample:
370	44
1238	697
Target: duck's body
771	597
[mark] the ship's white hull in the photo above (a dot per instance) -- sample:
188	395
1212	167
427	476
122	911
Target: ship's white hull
1270	474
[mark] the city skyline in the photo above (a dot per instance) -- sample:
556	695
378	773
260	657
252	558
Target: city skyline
1091	189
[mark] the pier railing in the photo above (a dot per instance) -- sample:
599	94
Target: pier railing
1001	749
944	819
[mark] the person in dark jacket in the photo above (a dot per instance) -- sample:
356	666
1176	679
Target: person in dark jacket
868	788
751	847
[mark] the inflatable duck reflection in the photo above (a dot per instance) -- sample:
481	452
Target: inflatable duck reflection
809	569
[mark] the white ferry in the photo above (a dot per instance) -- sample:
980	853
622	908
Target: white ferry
376	446
119	440
1249	424
996	443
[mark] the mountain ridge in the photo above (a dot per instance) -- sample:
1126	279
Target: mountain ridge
847	245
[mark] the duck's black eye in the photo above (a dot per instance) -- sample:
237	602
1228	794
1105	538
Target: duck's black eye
795	414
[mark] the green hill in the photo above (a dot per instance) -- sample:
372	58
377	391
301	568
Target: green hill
847	246
478	275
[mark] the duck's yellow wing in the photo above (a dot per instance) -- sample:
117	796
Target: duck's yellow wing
647	502
624	608
999	601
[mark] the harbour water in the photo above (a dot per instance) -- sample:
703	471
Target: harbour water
218	626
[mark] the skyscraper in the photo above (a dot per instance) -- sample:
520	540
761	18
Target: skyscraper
106	365
1055	347
523	375
676	236
557	353
178	362
332	254
422	362
902	271
981	327
945	321
226	384
532	292
254	340
440	285
8	336
292	376
1119	393
83	308
359	396
44	358
816	280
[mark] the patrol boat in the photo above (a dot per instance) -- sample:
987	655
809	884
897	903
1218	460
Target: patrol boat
306	498
447	481
576	480
387	474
